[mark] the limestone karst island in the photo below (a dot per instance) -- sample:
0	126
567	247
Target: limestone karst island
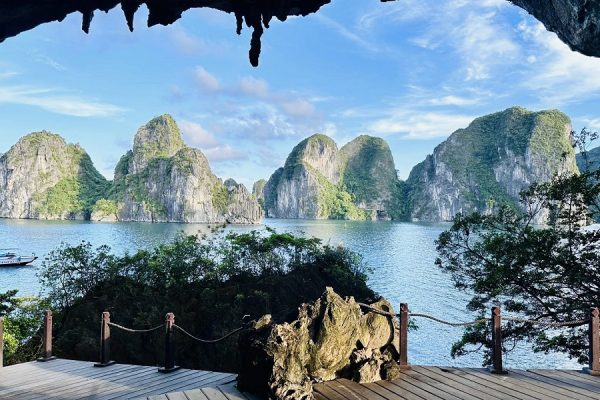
300	200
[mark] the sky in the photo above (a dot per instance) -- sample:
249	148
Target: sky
410	71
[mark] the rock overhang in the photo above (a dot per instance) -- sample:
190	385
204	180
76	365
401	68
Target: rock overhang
576	22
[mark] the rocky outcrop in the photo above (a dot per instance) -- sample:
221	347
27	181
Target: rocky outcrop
43	177
258	190
590	161
369	174
318	181
331	338
163	180
575	21
488	163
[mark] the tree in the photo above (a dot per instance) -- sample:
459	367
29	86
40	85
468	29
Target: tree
546	273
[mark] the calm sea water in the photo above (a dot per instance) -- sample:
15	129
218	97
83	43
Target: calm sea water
401	256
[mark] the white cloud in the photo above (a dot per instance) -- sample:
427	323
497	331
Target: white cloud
224	153
298	107
254	87
559	75
452	100
8	74
206	80
483	44
54	100
395	12
359	40
196	135
189	44
418	125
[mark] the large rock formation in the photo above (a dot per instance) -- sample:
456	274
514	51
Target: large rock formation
318	181
574	21
490	162
163	180
331	338
43	177
369	174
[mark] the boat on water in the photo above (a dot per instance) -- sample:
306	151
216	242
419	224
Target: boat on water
8	258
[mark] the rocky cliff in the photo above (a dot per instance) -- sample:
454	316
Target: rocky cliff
43	177
490	162
318	181
590	160
163	180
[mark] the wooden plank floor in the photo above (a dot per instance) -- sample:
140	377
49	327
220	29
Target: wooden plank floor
425	383
66	380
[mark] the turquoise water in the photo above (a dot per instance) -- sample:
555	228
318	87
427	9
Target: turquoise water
401	256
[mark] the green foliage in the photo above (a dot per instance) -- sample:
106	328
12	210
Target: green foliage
221	198
123	165
334	203
79	188
209	283
547	272
471	154
22	329
106	207
369	171
165	138
7	302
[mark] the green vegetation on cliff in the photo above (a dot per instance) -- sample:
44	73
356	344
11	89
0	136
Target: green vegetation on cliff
467	166
80	184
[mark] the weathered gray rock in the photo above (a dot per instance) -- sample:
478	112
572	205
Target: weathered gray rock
43	177
318	181
490	162
163	180
331	338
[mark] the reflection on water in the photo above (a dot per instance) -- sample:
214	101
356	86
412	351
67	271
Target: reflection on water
401	257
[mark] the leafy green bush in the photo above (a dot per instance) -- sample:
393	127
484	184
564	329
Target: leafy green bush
209	283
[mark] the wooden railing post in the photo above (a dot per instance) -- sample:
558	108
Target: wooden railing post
1	342
403	359
105	360
497	342
169	345
47	338
594	368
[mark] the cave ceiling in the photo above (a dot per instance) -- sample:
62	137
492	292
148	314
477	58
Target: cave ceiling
576	22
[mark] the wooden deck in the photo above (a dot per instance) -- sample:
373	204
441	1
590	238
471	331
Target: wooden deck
66	380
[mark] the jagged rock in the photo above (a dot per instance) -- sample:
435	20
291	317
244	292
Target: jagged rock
318	181
43	177
490	162
163	180
331	338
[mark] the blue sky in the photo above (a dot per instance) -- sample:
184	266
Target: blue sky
411	71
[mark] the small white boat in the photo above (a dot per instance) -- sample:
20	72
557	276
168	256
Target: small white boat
9	258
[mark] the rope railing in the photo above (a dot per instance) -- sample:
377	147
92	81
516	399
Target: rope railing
169	327
403	316
441	321
131	330
496	322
